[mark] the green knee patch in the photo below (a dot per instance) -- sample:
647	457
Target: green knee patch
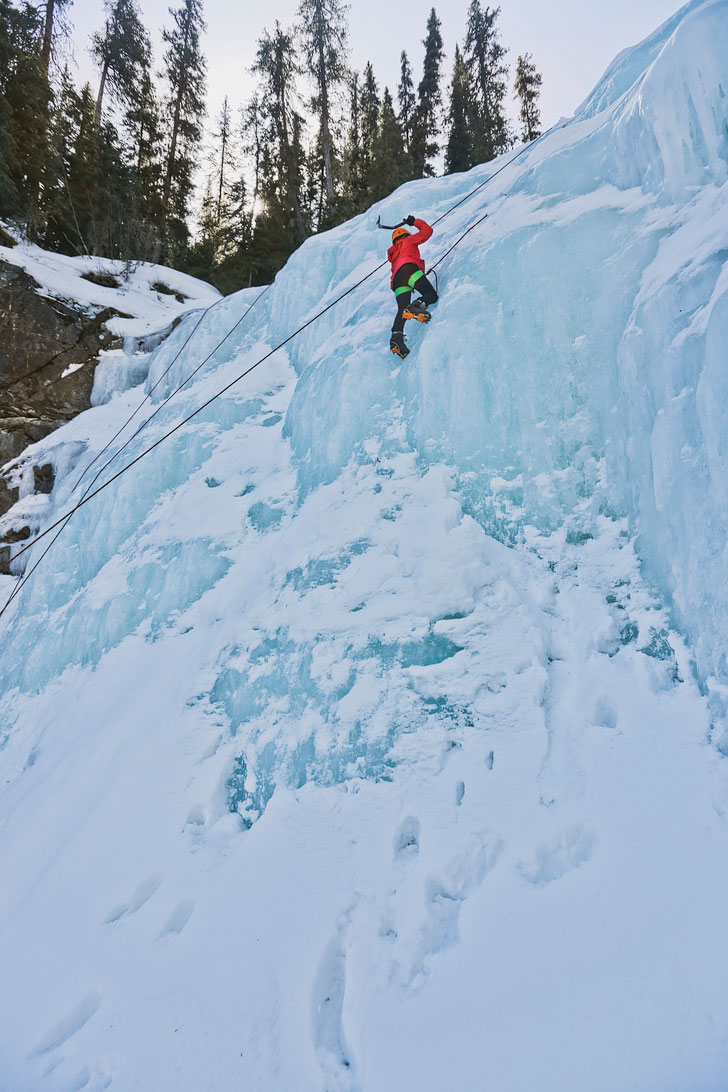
415	277
403	288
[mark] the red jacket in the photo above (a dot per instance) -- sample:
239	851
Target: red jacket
406	248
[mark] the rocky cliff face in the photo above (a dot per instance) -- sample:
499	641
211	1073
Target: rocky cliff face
48	355
60	317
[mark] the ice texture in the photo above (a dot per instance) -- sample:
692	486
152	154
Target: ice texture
355	739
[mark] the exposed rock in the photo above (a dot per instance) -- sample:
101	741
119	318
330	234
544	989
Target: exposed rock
9	539
159	286
44	478
106	280
8	495
20	534
48	354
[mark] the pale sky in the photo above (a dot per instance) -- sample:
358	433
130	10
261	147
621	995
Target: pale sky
572	41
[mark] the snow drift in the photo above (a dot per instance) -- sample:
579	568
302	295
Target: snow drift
357	738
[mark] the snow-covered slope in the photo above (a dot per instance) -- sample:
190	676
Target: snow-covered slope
138	302
363	736
143	294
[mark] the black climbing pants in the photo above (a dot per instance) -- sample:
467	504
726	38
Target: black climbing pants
407	279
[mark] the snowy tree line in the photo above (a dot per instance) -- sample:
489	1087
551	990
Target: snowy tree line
113	171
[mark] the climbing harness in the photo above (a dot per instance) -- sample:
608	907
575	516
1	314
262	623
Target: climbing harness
91	493
410	283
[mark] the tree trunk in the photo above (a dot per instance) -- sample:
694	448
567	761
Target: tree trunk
325	132
170	161
221	182
47	37
100	96
175	128
288	151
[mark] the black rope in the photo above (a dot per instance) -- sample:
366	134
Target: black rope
164	374
26	576
524	149
459	240
91	493
172	394
146	397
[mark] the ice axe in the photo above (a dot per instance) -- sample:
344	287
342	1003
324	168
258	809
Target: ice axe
387	227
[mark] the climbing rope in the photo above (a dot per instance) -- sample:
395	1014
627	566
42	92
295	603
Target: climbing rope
170	396
65	520
91	493
459	240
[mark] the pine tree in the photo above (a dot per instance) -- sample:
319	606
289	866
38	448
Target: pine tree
225	158
406	101
484	57
201	259
236	230
146	154
52	10
318	212
353	185
185	72
59	230
88	210
282	224
8	192
299	170
528	89
324	45
429	101
390	166
28	100
369	111
145	138
459	150
123	53
251	131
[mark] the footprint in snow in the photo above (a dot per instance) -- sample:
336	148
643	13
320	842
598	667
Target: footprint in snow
69	1025
143	893
332	1050
178	919
407	839
605	714
445	893
552	860
86	1081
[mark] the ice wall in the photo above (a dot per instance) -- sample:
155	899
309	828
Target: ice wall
343	743
575	366
576	361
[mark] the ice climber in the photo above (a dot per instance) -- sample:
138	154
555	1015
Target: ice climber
408	274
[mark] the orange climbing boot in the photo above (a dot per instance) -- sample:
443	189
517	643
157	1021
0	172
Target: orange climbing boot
397	345
417	311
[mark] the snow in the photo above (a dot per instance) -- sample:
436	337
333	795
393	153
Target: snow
70	370
140	304
369	733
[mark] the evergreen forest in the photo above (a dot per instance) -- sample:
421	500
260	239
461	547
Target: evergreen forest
132	168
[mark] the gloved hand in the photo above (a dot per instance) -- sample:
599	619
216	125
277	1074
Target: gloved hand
410	221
